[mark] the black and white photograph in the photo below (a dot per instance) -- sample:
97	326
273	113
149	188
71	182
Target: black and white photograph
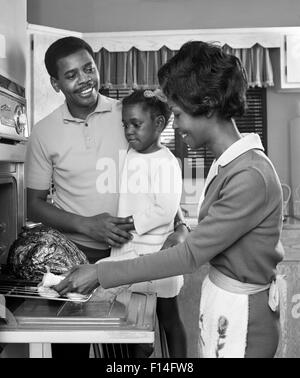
149	182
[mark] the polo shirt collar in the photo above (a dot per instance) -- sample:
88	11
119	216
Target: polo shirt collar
103	105
248	142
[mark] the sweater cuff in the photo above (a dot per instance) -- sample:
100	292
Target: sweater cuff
105	278
100	273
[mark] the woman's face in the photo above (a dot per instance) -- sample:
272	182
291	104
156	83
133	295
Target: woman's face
194	130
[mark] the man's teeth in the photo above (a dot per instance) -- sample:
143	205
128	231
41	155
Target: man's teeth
184	135
87	91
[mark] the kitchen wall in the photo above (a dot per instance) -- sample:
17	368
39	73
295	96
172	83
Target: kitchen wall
13	23
126	15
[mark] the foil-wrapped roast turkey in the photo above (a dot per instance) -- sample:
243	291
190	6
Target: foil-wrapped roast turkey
42	247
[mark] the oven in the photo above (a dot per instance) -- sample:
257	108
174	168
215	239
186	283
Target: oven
13	139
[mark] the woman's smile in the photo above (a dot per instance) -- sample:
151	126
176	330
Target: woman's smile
183	135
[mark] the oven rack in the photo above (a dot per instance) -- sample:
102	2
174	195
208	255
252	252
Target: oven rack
31	292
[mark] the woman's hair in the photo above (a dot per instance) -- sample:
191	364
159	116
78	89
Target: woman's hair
62	48
202	79
153	101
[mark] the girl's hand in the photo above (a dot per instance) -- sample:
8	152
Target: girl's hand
177	237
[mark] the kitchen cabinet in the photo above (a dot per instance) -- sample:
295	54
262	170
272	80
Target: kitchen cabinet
290	268
43	98
13	40
2	47
290	62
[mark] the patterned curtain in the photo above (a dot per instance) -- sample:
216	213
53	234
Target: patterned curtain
257	64
136	68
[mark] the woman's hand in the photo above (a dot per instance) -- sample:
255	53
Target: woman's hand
112	230
81	279
177	237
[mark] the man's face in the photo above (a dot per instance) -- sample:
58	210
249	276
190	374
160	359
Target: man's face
78	79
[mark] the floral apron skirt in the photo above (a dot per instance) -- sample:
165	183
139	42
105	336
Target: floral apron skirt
226	319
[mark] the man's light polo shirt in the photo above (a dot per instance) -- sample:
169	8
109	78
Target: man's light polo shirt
82	157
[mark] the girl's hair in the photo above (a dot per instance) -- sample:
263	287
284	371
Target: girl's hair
153	101
202	79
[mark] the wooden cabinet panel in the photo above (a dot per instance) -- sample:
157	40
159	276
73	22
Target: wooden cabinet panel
290	62
290	309
293	58
290	316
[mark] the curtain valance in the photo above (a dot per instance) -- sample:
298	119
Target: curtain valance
135	68
257	63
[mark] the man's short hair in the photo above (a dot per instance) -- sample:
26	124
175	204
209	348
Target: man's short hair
60	49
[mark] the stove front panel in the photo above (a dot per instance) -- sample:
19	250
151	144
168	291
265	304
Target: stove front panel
11	206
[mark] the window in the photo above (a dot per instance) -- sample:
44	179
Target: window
255	120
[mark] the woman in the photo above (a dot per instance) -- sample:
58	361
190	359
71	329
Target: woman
240	218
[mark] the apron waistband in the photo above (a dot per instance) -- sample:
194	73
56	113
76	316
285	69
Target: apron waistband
237	287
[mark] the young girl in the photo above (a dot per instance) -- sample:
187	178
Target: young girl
240	218
150	192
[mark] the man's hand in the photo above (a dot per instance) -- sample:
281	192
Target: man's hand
112	230
177	237
103	227
81	279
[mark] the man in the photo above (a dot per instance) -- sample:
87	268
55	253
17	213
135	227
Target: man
66	147
74	147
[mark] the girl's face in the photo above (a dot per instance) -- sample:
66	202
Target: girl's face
193	130
141	130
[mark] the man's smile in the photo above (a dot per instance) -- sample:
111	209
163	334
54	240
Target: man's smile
85	92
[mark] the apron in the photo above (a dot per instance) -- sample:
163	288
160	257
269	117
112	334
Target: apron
224	314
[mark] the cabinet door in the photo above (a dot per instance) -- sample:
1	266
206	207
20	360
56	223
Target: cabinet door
43	98
290	317
290	62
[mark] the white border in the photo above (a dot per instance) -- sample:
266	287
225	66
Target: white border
2	47
39	29
152	40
